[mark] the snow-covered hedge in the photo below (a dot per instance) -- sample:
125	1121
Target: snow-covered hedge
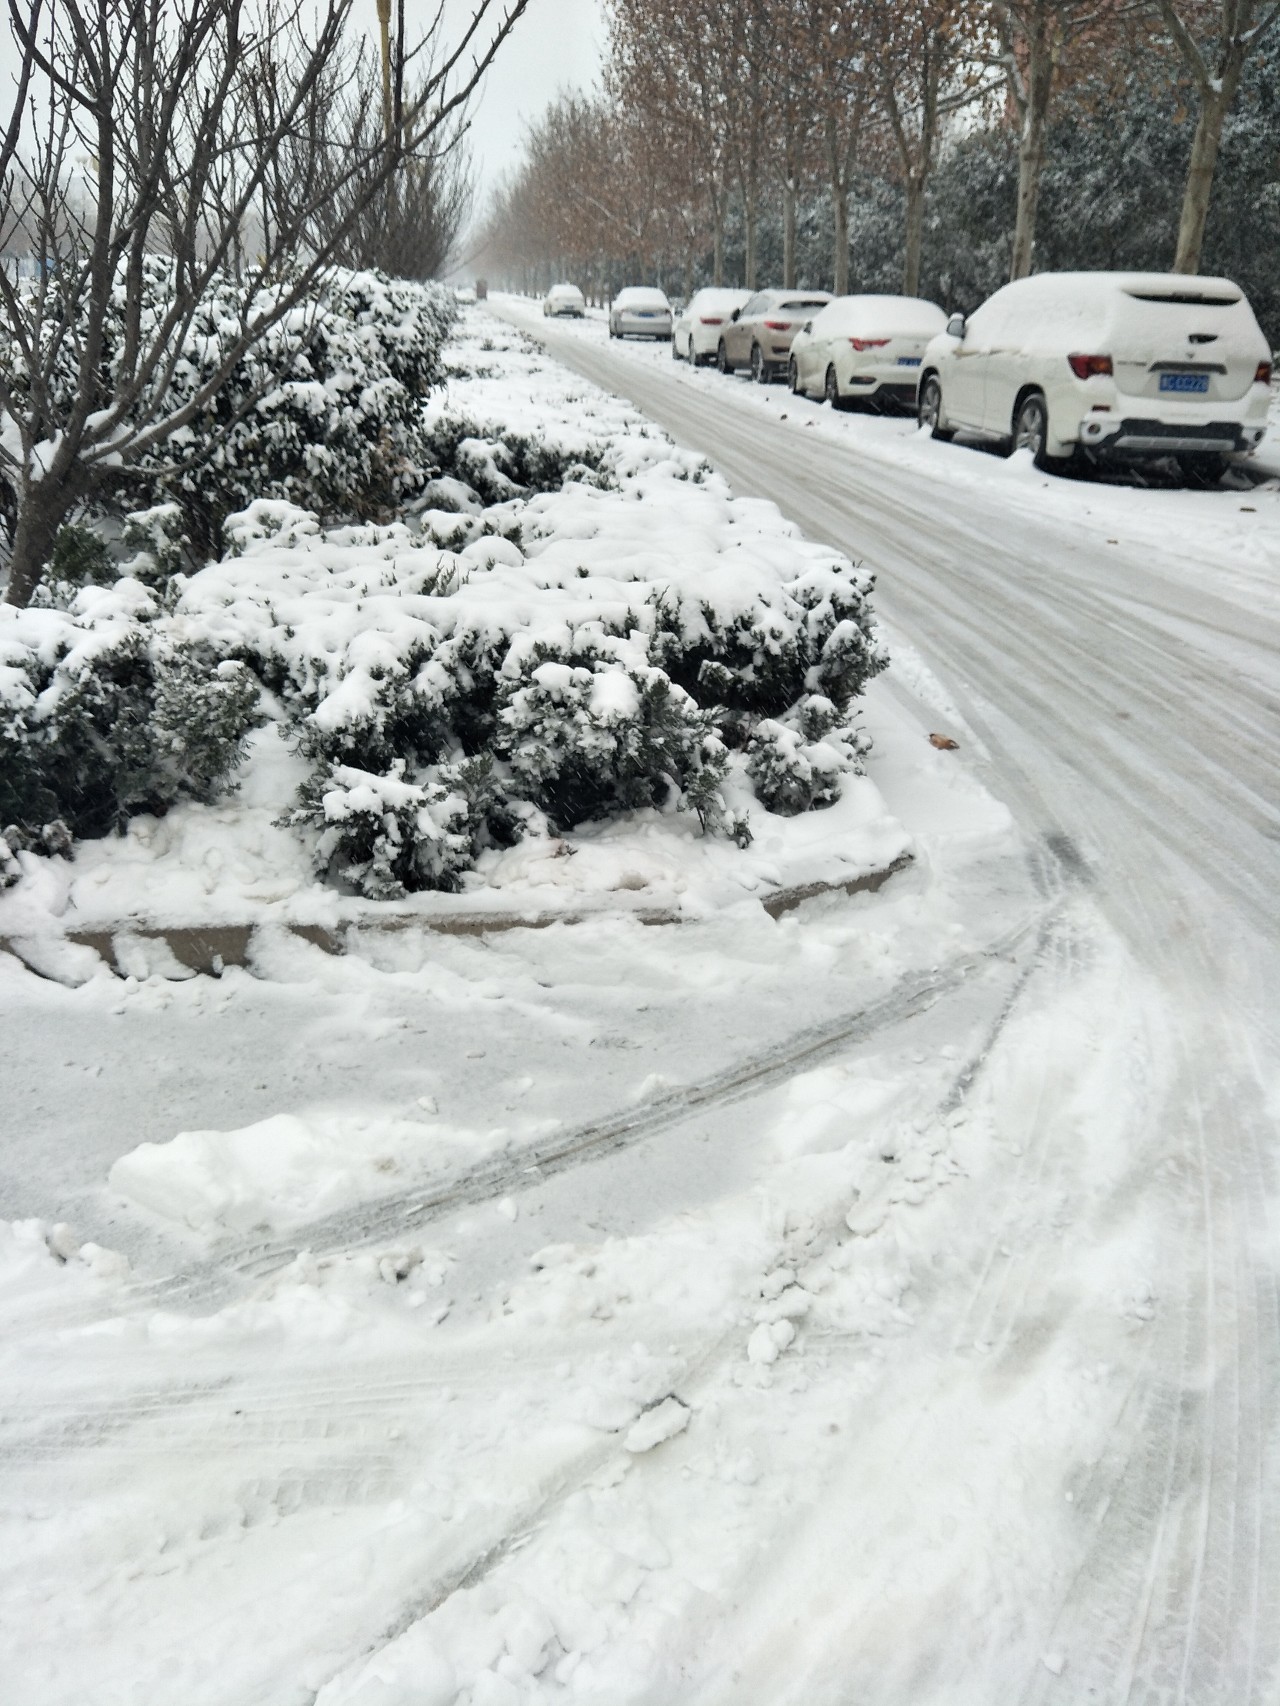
574	620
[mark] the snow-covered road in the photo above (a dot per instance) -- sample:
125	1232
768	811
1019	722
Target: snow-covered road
875	1305
1115	653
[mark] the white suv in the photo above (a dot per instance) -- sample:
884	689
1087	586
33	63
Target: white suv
1124	365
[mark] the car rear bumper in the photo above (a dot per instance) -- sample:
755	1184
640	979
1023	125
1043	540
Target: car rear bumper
1133	435
631	326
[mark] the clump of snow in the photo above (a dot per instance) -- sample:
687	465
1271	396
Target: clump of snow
285	1169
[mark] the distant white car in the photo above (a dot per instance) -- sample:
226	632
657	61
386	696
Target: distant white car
697	330
564	299
638	312
864	348
1129	366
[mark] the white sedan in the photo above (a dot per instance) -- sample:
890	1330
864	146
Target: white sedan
864	349
637	312
698	330
564	299
1118	366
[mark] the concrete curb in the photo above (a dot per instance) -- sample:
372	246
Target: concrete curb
210	948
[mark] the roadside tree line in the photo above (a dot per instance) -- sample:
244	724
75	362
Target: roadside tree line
727	134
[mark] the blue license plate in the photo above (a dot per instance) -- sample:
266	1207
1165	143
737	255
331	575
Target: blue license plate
644	314
1195	383
908	361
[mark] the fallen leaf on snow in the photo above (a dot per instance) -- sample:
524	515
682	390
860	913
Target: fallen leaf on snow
944	743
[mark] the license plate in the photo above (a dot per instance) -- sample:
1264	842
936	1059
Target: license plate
1195	383
908	361
644	314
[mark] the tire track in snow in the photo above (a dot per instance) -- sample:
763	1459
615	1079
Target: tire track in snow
408	1211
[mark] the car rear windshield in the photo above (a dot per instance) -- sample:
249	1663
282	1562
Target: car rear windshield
1184	298
806	302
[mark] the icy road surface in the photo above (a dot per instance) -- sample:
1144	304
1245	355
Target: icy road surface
875	1306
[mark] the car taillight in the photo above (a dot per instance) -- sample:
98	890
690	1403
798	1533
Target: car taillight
1263	375
1090	366
707	320
778	325
868	343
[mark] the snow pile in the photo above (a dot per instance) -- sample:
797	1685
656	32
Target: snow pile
285	1169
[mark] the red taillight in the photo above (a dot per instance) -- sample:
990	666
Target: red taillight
778	325
1263	375
708	321
1090	366
868	343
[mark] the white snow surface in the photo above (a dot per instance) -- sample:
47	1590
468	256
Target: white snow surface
876	1303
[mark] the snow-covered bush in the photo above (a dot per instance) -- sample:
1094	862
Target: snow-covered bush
595	730
796	764
386	837
107	709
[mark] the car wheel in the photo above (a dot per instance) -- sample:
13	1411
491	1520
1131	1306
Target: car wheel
1031	429
929	409
675	348
759	366
793	377
722	358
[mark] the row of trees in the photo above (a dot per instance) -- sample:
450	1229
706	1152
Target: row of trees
716	114
244	147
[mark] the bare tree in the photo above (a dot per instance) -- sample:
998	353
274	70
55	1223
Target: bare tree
1036	41
925	56
834	59
176	117
1215	39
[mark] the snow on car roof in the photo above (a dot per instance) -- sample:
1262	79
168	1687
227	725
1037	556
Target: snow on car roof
718	296
900	313
641	297
1149	286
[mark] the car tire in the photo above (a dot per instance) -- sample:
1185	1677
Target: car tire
929	409
1031	432
722	358
675	348
761	371
793	377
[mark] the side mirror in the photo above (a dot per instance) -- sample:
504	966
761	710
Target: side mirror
955	326
735	314
807	327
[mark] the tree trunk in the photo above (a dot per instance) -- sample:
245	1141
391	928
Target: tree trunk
717	237
914	234
1030	169
1215	103
1043	54
42	509
789	234
749	220
840	225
